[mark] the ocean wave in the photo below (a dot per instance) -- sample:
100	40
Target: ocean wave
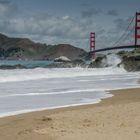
46	73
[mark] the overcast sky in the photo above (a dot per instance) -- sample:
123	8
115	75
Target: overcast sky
67	21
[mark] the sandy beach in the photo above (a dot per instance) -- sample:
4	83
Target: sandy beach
116	118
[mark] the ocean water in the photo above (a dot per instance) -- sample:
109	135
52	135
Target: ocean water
26	90
27	64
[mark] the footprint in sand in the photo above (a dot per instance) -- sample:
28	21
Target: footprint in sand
41	131
46	119
26	131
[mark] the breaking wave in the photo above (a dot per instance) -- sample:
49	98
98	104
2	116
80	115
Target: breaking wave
46	73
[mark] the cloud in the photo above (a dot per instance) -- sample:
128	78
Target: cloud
7	9
44	24
120	34
4	2
113	13
122	23
52	29
85	4
90	12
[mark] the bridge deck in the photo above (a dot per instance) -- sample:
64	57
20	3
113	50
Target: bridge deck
115	48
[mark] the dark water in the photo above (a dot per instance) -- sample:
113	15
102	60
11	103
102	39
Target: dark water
27	64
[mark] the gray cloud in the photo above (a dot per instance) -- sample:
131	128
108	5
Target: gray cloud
113	13
122	23
7	9
120	34
55	30
51	29
4	1
84	4
58	29
90	12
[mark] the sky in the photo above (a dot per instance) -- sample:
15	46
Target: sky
68	21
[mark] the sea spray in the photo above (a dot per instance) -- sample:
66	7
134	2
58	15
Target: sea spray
111	60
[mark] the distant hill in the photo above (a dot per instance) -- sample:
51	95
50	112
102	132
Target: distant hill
23	48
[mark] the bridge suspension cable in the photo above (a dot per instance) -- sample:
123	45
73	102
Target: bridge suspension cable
125	32
127	36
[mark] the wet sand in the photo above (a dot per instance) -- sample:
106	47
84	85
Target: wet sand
116	118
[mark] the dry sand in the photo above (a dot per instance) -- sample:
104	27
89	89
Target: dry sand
116	118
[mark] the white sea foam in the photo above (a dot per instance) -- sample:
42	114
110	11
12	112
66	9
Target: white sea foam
48	108
38	89
113	60
42	73
53	93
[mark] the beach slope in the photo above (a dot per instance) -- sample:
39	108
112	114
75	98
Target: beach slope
116	118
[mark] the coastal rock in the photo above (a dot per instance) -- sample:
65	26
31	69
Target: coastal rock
60	65
71	64
62	59
130	60
98	62
131	63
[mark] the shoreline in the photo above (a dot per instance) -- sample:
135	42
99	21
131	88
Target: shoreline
68	123
108	92
16	113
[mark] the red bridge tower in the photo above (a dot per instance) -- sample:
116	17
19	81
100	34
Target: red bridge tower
137	28
92	44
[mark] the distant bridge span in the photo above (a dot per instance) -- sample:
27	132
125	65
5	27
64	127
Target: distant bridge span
133	24
115	48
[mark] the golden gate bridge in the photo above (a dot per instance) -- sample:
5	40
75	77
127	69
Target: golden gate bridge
136	29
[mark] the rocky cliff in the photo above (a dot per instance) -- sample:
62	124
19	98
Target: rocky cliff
23	48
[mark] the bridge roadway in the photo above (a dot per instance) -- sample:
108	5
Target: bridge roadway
115	48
